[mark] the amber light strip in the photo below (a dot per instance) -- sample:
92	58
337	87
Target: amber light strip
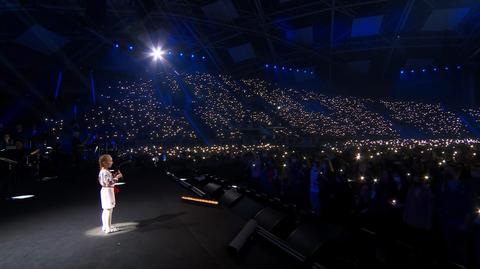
212	202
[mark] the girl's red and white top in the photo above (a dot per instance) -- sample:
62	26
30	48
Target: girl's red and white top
106	179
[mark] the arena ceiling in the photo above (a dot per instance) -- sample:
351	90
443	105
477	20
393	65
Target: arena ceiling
240	37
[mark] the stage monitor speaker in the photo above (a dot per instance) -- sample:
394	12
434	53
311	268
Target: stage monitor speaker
202	180
230	197
214	190
243	236
270	219
308	238
247	208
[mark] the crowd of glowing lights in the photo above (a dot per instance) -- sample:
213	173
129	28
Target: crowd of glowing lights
432	119
441	149
135	115
216	105
474	113
133	112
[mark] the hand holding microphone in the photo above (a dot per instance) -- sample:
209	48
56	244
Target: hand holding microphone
118	175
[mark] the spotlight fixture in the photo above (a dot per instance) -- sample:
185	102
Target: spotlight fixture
157	54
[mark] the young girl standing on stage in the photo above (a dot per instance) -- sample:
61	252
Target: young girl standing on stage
107	194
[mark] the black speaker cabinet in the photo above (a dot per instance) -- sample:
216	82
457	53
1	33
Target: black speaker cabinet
230	197
214	190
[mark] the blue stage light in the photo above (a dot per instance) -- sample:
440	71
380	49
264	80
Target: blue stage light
298	70
290	69
459	67
203	57
412	71
266	66
424	70
446	67
402	71
311	73
435	69
116	45
130	47
274	67
283	67
305	71
181	53
169	53
193	55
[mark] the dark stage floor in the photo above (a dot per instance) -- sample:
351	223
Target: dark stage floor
62	229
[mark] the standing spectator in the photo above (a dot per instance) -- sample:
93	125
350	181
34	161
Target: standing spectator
454	210
418	205
314	188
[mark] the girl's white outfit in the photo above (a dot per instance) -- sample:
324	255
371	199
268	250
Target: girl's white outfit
107	194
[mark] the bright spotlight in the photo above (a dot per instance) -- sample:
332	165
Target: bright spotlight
157	54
